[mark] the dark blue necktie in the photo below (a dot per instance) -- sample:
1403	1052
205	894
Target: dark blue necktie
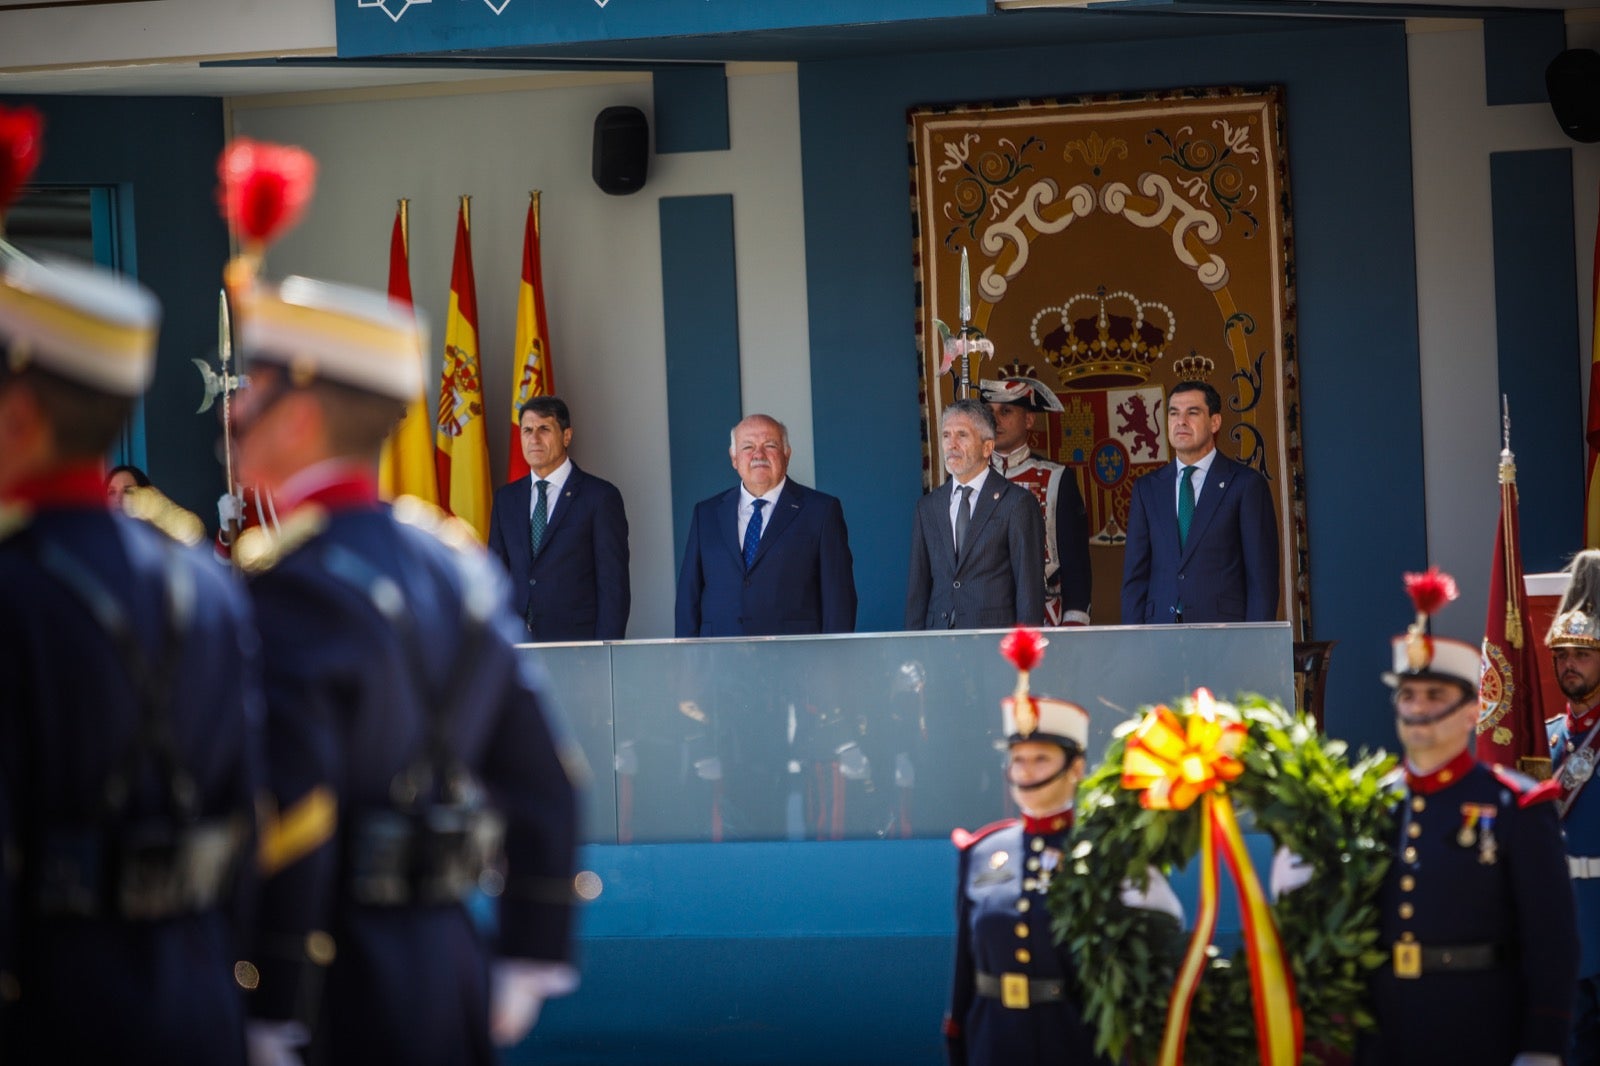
752	533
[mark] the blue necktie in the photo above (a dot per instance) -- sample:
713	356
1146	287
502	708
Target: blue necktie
541	518
1185	504
752	533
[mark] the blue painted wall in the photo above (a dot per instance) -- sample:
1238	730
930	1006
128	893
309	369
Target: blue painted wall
159	154
1350	164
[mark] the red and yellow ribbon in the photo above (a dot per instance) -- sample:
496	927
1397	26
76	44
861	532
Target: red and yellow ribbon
1174	761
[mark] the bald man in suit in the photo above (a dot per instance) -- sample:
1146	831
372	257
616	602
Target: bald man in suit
977	542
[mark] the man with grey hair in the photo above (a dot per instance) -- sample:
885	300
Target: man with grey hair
977	541
768	556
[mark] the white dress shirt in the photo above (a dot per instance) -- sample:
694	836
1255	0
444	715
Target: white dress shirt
1197	479
747	507
976	485
552	492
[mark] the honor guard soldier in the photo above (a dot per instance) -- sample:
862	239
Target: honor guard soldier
1012	999
410	762
1574	642
128	710
1476	914
1015	401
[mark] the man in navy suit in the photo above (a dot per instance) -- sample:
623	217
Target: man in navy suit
769	556
977	541
1202	531
572	584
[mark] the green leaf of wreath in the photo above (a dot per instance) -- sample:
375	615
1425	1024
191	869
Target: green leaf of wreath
1298	787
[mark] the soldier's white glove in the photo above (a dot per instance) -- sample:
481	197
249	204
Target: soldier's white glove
1158	897
1536	1058
905	772
275	1043
230	508
853	763
1289	872
519	989
709	768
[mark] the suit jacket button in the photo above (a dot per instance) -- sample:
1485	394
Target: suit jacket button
955	584
1180	577
533	581
746	582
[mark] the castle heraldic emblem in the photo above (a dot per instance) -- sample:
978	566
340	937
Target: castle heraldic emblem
1112	247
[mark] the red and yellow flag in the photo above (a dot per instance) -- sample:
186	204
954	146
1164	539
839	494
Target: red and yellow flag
1511	725
462	446
1591	486
535	376
406	465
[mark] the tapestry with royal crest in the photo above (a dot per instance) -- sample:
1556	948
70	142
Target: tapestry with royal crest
1116	245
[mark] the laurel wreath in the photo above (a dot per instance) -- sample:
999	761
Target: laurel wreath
1299	787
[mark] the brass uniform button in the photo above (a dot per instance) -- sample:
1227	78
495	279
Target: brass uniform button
1024	955
1407	883
1022	930
1033	864
246	976
1407	910
1409	855
319	947
1418	803
1414	830
1023	905
1037	844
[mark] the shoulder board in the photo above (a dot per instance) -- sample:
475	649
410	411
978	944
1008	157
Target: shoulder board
258	551
448	529
14	518
151	506
1555	719
1517	781
964	840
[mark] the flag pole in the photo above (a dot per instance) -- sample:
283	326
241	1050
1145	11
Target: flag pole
1508	506
405	226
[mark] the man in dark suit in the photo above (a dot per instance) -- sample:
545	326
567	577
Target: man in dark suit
977	541
768	556
1202	531
569	580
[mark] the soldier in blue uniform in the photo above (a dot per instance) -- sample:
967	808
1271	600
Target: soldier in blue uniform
1574	642
407	748
128	710
1012	1000
1476	915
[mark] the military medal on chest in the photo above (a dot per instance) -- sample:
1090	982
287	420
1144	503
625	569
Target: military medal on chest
1477	828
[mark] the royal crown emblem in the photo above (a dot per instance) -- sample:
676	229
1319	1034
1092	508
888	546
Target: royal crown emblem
1100	341
1193	367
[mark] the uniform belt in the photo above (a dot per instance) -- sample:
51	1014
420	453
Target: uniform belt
439	854
1015	991
1415	960
1583	867
144	872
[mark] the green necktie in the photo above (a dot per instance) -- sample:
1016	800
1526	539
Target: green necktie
541	518
1185	504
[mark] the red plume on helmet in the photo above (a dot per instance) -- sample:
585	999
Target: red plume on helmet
1024	648
1429	591
20	149
263	192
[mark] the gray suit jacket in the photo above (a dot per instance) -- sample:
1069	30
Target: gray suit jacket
999	578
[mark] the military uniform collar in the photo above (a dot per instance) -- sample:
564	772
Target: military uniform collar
1047	825
1443	777
78	485
1578	724
1013	460
337	485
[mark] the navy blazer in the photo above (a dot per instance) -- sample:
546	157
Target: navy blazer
802	579
998	579
577	589
1228	571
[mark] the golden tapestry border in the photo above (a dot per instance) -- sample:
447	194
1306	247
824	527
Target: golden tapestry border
1261	400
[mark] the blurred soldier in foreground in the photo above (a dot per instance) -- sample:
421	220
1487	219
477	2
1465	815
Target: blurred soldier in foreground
407	750
1574	642
1475	911
128	704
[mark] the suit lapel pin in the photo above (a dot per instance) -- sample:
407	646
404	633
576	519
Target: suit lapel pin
996	495
1222	484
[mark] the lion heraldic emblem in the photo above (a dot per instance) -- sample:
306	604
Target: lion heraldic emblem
1136	420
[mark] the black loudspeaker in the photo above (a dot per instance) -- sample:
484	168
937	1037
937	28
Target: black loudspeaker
621	150
1573	82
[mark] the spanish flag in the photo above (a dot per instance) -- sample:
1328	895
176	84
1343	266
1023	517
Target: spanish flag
535	376
462	447
405	467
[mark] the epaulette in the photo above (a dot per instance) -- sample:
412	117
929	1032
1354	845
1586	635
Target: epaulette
964	840
1527	790
257	551
14	518
150	505
448	529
